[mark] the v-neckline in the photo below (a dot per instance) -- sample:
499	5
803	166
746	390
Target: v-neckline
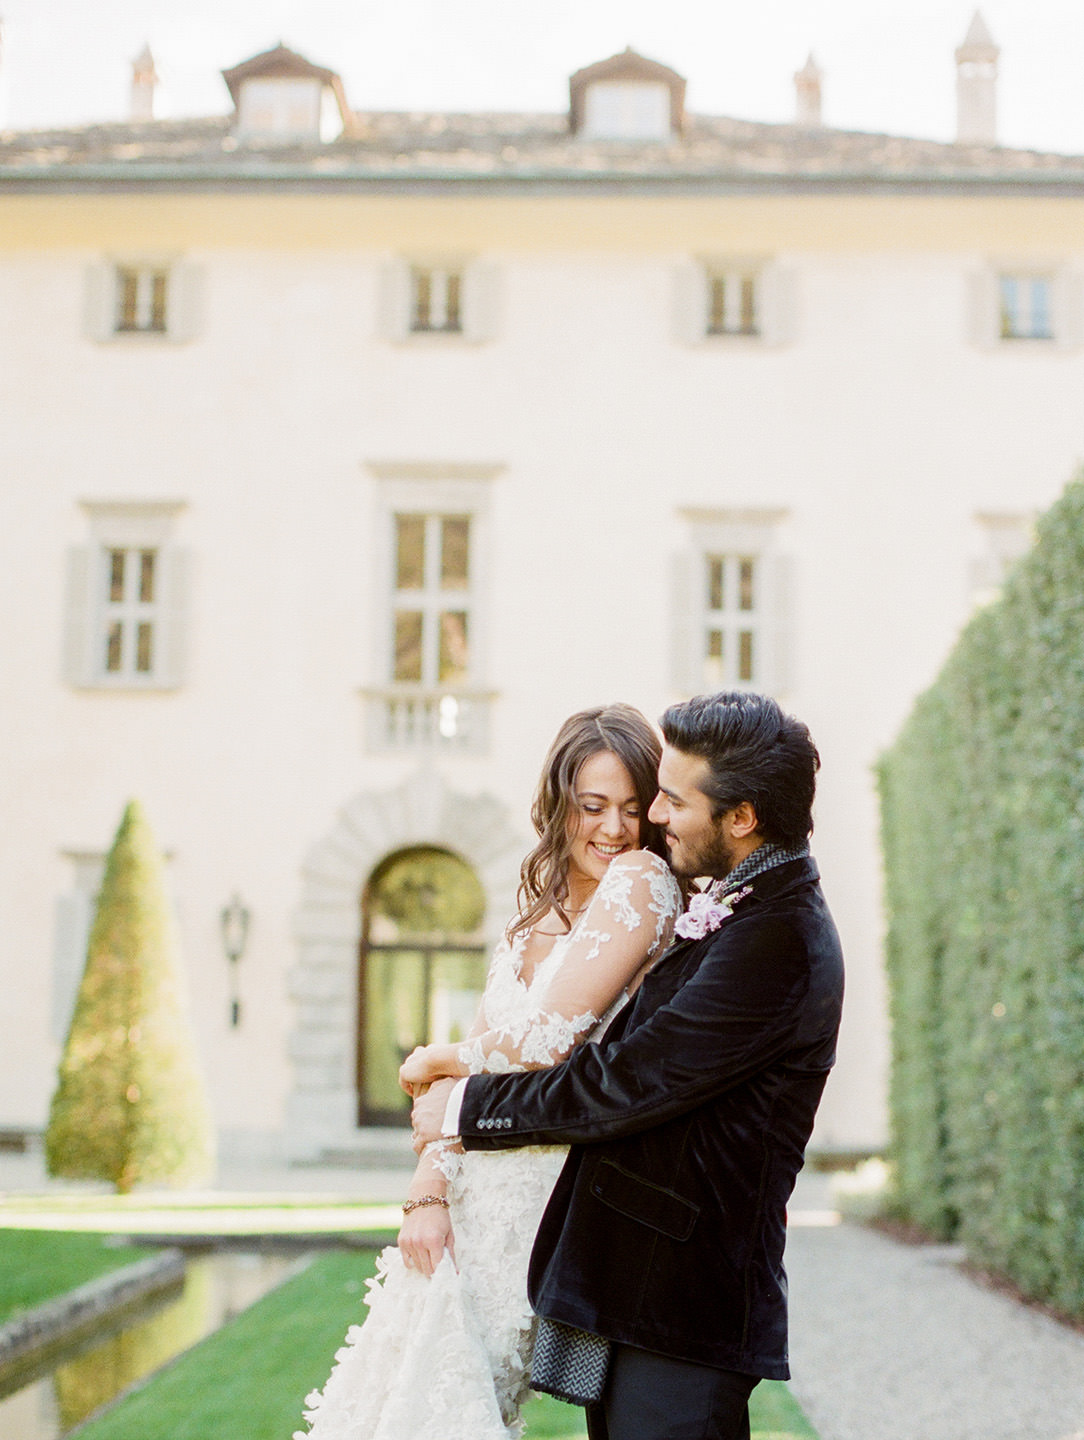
520	944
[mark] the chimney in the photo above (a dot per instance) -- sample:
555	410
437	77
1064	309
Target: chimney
144	79
807	88
976	86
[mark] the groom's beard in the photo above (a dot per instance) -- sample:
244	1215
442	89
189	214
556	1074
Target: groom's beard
713	855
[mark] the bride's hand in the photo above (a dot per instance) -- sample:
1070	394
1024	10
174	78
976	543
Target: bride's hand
425	1235
418	1069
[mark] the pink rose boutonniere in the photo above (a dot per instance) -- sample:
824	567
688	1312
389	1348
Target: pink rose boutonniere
706	913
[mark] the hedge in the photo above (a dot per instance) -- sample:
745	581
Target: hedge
982	813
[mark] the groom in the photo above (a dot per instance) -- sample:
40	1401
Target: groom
688	1123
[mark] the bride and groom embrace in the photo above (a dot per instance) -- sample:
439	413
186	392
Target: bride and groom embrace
654	1163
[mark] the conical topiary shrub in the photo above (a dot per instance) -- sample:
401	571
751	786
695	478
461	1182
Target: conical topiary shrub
130	1105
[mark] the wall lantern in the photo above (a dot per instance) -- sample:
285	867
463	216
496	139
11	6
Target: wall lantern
234	920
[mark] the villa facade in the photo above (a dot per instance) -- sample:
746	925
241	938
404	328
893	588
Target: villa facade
344	454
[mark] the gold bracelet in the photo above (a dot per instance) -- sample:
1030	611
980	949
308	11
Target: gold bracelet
410	1205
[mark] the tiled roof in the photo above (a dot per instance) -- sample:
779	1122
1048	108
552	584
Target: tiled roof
510	149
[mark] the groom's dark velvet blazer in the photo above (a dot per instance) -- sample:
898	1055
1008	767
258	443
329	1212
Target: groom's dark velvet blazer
688	1125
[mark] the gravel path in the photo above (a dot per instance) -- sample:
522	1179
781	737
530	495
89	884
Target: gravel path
894	1342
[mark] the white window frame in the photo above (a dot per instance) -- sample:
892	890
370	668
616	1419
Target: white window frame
738	539
452	716
728	291
436	299
143	298
1026	305
627	110
478	297
133	528
1064	307
281	108
699	320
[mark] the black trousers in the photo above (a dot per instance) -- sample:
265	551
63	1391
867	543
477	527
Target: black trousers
652	1397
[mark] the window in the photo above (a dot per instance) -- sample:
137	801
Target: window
1020	306
280	107
142	296
733	300
142	299
432	600
430	646
130	618
732	303
731	603
627	110
126	599
436	299
1026	307
731	595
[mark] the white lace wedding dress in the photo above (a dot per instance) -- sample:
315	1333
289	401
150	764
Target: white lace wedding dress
447	1358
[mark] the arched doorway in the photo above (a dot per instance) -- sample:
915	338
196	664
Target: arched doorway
423	811
421	969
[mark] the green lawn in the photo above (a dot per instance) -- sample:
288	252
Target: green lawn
250	1379
37	1265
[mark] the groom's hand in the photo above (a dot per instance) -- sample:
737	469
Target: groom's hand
427	1116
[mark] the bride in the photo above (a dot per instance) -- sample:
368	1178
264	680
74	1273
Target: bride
445	1352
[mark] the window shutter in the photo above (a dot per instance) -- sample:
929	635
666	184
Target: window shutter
778	625
99	301
777	300
74	914
393	300
169	667
184	315
78	658
481	300
982	309
686	616
690	303
1068	299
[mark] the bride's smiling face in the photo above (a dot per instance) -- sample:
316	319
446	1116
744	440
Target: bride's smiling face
606	821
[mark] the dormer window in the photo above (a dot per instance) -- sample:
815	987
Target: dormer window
625	110
290	108
281	97
627	97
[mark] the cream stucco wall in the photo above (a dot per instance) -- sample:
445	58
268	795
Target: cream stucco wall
880	429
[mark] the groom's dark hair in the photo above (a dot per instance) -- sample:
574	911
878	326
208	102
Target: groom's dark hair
755	752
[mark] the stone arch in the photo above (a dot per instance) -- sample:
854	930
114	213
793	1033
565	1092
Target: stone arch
423	810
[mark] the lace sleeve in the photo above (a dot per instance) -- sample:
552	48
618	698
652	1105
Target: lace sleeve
627	925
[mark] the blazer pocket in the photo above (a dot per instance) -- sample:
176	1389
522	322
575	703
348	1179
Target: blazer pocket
652	1205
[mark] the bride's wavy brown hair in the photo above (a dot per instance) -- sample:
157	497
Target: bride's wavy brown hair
619	729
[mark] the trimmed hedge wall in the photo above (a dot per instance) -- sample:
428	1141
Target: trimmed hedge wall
982	809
